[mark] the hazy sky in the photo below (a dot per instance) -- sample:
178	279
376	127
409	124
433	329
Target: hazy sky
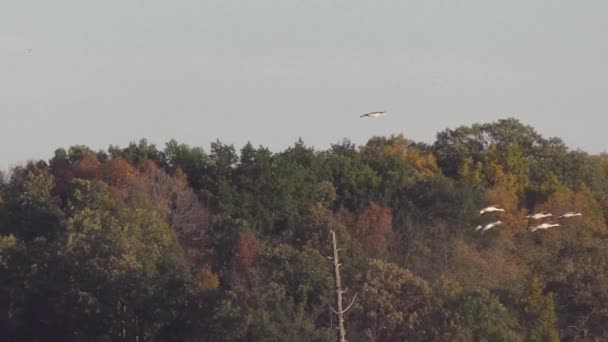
109	72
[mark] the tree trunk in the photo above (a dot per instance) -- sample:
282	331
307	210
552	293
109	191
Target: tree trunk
340	311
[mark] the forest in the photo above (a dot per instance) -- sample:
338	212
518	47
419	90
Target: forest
182	243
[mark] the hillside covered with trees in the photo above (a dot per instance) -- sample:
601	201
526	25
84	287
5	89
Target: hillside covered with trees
139	243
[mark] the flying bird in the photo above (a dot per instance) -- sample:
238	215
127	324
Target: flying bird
544	226
569	215
539	216
490	209
478	227
491	225
374	114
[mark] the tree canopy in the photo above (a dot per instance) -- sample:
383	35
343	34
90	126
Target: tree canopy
145	243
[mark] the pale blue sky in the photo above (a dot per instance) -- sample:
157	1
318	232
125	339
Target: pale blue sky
109	72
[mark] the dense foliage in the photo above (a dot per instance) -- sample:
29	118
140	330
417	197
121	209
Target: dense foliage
182	244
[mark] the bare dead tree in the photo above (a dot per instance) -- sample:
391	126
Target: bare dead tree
340	311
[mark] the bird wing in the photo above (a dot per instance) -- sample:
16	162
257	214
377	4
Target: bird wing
376	112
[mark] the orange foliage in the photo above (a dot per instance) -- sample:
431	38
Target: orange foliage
147	166
88	167
119	173
513	218
246	249
373	227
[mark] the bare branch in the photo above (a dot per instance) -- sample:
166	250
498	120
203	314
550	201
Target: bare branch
351	303
334	311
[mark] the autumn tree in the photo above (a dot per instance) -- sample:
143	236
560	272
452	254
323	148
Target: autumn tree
246	249
177	204
120	175
88	167
373	228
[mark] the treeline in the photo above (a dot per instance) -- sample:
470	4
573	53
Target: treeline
183	244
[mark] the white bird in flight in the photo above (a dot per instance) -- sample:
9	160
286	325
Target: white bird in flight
544	226
374	114
491	225
490	209
569	215
539	216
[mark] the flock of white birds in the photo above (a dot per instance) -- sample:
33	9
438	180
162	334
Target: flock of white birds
496	208
534	217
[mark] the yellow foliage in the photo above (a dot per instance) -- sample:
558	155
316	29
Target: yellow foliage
564	200
549	184
424	163
509	169
493	168
516	169
394	150
471	172
207	280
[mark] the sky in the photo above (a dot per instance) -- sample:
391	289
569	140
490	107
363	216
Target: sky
271	71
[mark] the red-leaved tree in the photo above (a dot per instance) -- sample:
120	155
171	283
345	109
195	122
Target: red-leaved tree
374	227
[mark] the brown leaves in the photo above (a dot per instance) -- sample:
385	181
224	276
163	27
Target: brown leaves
88	167
565	200
513	217
176	202
119	173
246	249
491	268
374	227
